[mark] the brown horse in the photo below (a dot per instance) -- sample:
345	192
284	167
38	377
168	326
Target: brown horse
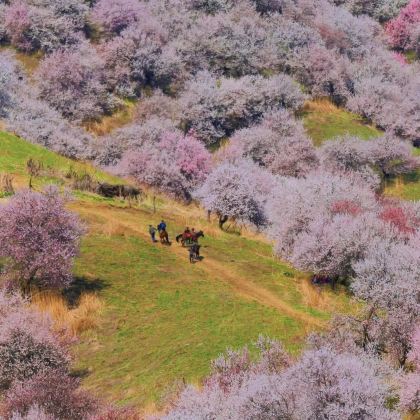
189	237
164	237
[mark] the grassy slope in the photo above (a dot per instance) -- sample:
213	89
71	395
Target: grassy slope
15	152
324	121
166	319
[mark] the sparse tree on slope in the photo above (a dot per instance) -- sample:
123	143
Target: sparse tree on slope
39	239
238	191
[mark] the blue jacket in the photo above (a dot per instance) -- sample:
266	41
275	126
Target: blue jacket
161	226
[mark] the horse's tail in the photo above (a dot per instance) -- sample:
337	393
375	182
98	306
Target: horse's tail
177	237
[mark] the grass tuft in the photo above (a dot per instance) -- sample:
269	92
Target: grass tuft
75	321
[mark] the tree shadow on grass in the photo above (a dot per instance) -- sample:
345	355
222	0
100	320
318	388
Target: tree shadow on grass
79	286
80	373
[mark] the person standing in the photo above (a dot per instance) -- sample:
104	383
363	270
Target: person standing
152	231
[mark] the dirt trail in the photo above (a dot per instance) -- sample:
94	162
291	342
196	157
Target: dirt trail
242	286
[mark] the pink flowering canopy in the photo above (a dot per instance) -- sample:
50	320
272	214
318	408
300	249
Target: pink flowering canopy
39	239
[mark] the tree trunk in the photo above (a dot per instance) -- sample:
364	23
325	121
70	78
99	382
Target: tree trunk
222	221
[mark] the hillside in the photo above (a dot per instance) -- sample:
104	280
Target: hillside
165	319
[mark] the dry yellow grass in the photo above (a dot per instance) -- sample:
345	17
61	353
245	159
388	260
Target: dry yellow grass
74	321
111	122
321	105
314	296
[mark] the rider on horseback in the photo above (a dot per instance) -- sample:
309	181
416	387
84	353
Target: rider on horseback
161	226
187	233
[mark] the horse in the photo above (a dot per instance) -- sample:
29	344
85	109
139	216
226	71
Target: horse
193	237
194	253
164	237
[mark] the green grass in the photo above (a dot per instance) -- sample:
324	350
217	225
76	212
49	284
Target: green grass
324	121
15	152
166	319
411	56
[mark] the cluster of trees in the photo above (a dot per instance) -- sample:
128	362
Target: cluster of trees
34	119
32	25
175	164
327	381
329	220
222	63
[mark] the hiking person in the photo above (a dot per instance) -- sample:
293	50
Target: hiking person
152	231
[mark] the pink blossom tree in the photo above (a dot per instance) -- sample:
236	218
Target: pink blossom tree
71	81
116	15
28	344
401	29
279	143
238	191
176	164
39	239
323	71
54	392
350	156
215	109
